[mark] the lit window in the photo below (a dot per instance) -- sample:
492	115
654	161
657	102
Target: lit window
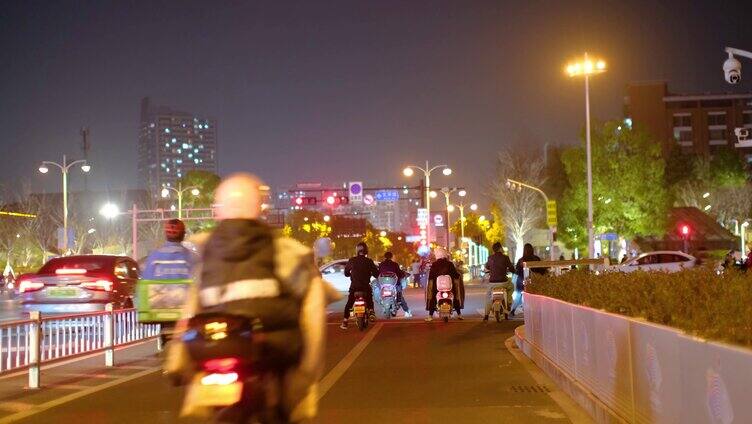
195	160
167	144
185	145
179	161
180	175
180	151
151	125
167	130
195	150
190	155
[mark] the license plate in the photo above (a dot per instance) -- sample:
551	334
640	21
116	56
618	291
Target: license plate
445	307
387	293
62	292
359	309
215	395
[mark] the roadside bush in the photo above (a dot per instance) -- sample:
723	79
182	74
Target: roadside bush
698	301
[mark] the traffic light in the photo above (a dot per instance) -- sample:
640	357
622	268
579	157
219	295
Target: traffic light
684	229
304	201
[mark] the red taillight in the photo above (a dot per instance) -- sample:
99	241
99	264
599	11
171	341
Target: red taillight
221	365
100	285
25	286
219	379
444	295
359	302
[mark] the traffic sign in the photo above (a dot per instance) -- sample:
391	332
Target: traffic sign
387	195
368	199
551	213
356	191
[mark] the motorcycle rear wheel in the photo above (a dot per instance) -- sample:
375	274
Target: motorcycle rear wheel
497	315
446	319
361	322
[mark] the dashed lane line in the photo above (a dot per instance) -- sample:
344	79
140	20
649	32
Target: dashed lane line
342	366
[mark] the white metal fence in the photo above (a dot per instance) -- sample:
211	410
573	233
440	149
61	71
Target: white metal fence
28	344
642	372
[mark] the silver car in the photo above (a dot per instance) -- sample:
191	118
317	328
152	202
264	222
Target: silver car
75	284
663	260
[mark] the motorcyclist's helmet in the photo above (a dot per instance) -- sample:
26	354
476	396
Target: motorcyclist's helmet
361	249
174	230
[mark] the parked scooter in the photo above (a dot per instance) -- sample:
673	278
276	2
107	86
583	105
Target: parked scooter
387	288
444	297
231	377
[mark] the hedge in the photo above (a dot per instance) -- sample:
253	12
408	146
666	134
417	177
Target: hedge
698	301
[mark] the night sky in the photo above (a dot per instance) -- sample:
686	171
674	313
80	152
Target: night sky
337	91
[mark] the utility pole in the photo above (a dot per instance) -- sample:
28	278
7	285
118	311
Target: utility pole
85	146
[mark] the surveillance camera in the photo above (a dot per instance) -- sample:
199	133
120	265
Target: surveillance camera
741	133
732	69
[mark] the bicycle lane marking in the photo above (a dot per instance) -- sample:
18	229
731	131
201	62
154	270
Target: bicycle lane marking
344	364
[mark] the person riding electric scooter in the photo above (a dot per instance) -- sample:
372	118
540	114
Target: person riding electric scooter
171	261
497	266
389	266
360	268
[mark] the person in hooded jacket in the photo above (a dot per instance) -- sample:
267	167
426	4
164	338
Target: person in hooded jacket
443	266
528	255
360	268
249	270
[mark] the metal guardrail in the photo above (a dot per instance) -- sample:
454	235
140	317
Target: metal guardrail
29	344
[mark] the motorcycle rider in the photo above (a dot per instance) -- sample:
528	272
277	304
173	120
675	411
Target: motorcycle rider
360	268
443	266
171	261
248	270
497	265
388	265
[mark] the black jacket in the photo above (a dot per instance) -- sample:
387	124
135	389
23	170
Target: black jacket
360	269
498	265
521	270
388	265
237	277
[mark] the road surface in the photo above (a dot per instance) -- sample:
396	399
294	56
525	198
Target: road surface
401	370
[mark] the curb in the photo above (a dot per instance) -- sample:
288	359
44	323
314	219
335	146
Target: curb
598	411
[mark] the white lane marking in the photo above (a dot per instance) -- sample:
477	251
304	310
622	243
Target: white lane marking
87	376
36	409
339	370
574	412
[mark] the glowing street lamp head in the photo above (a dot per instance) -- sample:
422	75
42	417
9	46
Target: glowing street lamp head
109	210
450	208
327	218
195	192
382	233
43	169
433	194
473	207
86	167
165	193
586	66
447	171
462	193
408	172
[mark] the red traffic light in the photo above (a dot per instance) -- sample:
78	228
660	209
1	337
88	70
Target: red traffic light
684	230
330	200
299	201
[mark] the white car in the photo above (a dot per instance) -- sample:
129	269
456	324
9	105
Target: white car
663	260
334	274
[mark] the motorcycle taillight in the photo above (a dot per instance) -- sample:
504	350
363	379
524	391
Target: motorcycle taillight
444	295
359	302
221	365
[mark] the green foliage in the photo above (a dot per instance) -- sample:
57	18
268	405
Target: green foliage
306	226
697	301
475	229
629	196
206	182
495	230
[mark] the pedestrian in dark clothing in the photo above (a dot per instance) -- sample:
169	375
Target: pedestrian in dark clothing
389	266
528	255
443	266
497	266
360	268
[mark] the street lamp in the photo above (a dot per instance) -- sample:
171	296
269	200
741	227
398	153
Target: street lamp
109	210
179	191
64	168
447	191
744	226
409	172
585	68
517	185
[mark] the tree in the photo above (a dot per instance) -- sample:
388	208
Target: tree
306	226
475	228
629	195
207	183
520	210
495	228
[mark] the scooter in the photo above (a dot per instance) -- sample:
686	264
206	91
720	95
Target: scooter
499	303
388	294
230	378
360	312
444	297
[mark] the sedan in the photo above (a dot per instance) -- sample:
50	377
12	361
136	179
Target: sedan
75	284
334	274
664	261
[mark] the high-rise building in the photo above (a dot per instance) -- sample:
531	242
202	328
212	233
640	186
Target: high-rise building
171	143
690	123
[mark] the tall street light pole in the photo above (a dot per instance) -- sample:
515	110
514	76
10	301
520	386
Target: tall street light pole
585	68
409	171
179	191
64	169
517	185
447	191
